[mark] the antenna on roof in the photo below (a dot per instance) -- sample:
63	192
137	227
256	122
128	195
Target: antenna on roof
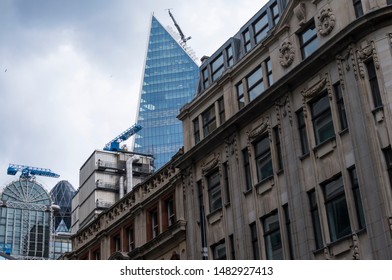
183	38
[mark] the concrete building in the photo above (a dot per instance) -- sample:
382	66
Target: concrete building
287	146
104	178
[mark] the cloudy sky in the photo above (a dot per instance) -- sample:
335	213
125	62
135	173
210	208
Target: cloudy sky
70	71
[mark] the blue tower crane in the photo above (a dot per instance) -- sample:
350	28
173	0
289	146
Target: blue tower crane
27	172
114	145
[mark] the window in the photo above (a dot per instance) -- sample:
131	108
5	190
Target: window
209	120
221	108
302	132
278	148
275	13
308	40
205	78
288	229
214	191
152	223
272	238
322	119
217	67
255	83
219	251
340	105
247	43
226	182
196	130
263	158
389	2
374	84
357	198
229	56
358	8
131	238
116	243
168	212
232	247
268	66
248	178
336	206
240	95
255	241
315	219
261	28
388	159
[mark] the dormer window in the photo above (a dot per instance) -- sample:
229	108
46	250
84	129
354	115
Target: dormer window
217	67
261	28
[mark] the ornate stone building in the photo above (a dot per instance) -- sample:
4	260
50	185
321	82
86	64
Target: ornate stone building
287	151
287	147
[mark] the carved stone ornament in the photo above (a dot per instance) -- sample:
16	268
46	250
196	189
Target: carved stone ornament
326	22
300	13
315	89
286	55
206	167
365	53
258	131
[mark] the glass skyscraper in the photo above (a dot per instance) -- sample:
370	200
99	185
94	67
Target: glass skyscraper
169	82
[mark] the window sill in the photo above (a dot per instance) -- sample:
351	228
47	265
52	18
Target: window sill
265	185
246	192
304	156
343	131
280	172
325	148
215	216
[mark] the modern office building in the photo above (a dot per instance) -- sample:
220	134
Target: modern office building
26	216
169	81
62	194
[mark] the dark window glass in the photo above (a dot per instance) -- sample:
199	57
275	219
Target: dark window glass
358	8
219	251
196	130
388	159
357	198
278	148
131	238
315	219
309	41
288	230
205	78
255	83
217	67
302	132
272	238
322	119
340	105
209	120
214	191
261	28
248	178
268	66
154	223
247	43
275	13
255	241
221	107
263	158
240	95
229	56
232	247
389	2
374	84
226	182
337	212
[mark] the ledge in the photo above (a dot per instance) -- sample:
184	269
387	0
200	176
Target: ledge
378	114
325	148
265	185
214	216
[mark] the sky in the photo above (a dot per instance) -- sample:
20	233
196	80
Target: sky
71	71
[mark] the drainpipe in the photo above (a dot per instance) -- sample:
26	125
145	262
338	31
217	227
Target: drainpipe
121	187
130	161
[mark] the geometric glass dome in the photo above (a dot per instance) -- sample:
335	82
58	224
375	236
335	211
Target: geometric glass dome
62	195
25	220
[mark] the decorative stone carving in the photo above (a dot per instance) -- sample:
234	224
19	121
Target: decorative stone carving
342	61
326	22
365	53
258	131
285	105
300	13
286	56
206	167
315	89
356	255
231	146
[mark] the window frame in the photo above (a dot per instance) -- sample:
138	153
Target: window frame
318	119
217	69
357	197
261	31
196	130
254	241
340	105
272	234
240	95
305	44
216	249
315	215
373	82
358	8
303	136
214	191
255	83
209	120
246	37
264	155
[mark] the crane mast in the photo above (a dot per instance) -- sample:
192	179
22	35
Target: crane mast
184	39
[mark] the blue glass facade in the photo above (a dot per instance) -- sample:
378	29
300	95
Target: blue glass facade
169	82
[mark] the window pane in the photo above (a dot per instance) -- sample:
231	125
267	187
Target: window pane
272	238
